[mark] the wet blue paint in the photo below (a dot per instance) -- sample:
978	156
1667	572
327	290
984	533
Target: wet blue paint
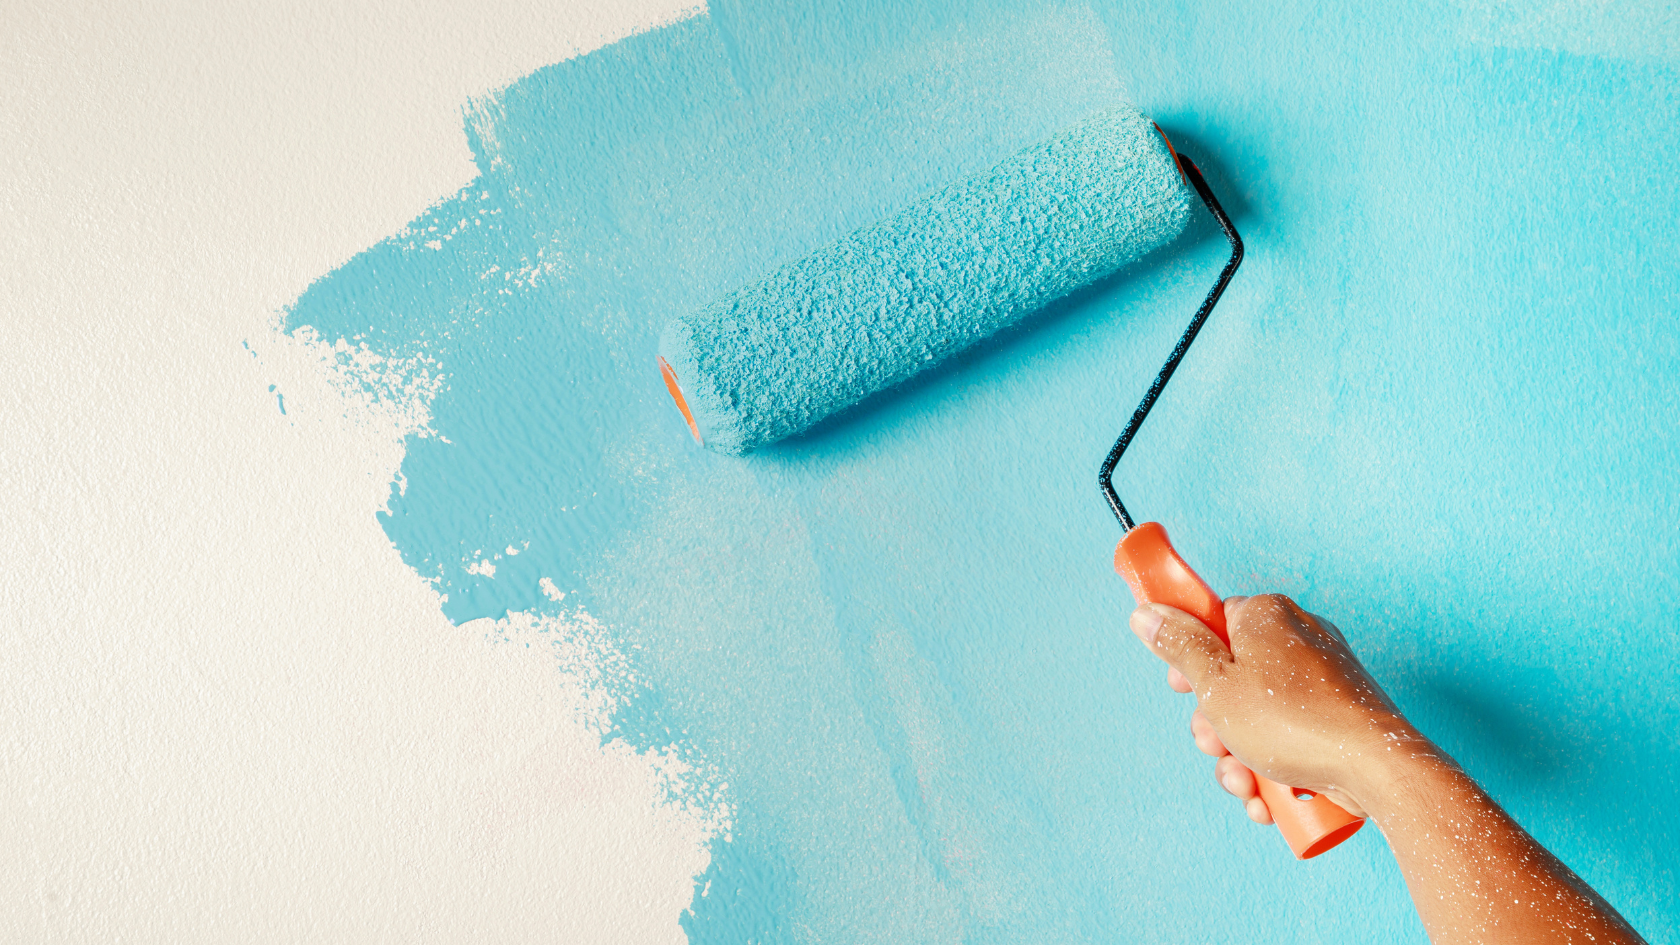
1436	405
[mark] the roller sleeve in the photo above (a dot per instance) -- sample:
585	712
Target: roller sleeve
884	303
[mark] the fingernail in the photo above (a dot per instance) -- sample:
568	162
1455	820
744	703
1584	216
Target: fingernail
1230	782
1146	622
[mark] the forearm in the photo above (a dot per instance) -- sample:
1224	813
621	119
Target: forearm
1475	875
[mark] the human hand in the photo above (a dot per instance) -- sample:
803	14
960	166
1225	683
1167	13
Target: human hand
1287	699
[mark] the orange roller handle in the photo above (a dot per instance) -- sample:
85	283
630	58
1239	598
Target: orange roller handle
1310	822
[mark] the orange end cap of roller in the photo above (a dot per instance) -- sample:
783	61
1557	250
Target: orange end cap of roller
677	395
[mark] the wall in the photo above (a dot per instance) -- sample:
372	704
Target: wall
876	677
228	711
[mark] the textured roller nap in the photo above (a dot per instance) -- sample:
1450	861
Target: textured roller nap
897	297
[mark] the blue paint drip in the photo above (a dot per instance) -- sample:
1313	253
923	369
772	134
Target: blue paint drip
1432	406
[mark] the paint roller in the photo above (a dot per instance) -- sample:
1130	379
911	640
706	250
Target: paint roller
863	314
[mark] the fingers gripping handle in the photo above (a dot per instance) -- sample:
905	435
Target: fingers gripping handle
1157	575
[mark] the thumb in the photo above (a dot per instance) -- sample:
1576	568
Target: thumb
1187	644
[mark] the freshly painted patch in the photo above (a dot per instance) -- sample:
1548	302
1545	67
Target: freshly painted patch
1430	406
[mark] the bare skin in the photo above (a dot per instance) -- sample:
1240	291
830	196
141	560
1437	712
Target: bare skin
1288	699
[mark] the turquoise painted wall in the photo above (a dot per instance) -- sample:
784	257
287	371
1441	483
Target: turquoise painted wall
1439	404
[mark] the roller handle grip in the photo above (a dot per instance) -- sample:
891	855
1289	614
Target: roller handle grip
1157	575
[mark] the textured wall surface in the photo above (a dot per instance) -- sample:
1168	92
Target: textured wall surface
874	681
228	711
